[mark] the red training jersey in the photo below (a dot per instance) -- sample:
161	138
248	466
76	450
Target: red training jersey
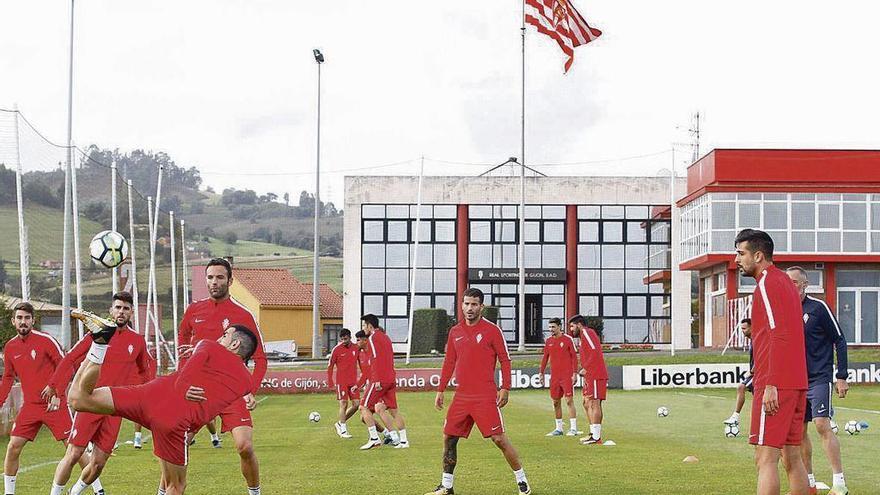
364	365
344	358
560	352
32	358
381	357
778	332
208	319
471	352
592	358
216	369
126	361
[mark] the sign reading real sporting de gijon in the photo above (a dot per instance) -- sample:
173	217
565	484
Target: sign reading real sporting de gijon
626	377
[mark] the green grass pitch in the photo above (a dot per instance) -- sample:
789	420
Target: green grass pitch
299	457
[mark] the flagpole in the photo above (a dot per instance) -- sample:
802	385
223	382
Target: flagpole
522	194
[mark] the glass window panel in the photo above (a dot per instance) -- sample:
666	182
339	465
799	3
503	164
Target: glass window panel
424	230
506	312
829	216
803	216
749	215
636	256
775	216
723	215
480	211
444	280
855	216
803	242
588	281
444	256
723	196
656	289
613	332
373	281
636	306
828	197
588	256
533	231
445	302
853	278
533	256
397	329
854	197
444	231
612	306
509	256
722	240
373	305
636	331
875	216
426	255
775	196
444	211
660	233
533	211
612	212
397	255
828	242
612	281
373	211
553	300
509	211
397	231
657	306
424	281
426	212
397	211
588	212
505	231
554	212
533	289
397	280
742	196
612	256
589	305
875	242
612	231
554	289
635	281
554	231
635	232
780	240
374	231
480	231
854	242
373	255
588	232
553	256
421	302
479	255
638	212
803	197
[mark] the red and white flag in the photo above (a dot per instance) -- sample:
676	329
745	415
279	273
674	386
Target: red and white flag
559	20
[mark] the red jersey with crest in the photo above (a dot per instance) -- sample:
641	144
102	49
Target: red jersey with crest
126	362
560	352
778	332
381	358
32	359
592	359
471	353
208	320
345	359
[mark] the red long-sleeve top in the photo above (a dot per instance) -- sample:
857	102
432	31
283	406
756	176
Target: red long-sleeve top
344	358
126	362
32	359
591	356
778	333
560	353
471	352
381	357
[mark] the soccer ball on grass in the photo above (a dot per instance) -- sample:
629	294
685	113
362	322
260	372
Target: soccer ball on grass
314	416
108	249
731	430
662	412
855	427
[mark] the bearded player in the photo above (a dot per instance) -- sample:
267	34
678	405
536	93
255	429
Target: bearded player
595	375
559	351
381	393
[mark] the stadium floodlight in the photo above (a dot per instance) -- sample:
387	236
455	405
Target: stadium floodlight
316	269
319	57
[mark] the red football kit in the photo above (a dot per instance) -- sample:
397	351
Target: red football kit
778	349
33	359
381	355
560	352
126	363
207	320
161	404
593	363
471	352
345	359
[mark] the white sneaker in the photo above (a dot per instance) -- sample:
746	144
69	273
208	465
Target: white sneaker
732	420
137	443
371	444
345	434
573	433
338	428
402	445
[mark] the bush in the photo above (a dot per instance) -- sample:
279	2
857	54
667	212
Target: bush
596	323
7	329
230	237
430	330
491	313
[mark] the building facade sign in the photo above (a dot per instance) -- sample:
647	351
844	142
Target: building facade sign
501	275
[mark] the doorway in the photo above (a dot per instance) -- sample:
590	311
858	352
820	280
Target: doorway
857	312
534	330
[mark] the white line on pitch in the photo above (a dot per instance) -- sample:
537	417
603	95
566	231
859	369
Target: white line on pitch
261	400
702	395
37	466
857	410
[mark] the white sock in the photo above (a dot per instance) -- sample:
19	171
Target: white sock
520	475
838	480
343	427
574	423
78	487
216	437
403	436
373	434
812	479
56	489
9	484
446	480
254	491
559	424
596	431
395	436
97	486
97	352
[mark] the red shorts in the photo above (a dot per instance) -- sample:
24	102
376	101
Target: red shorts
144	405
234	416
347	392
786	427
32	416
387	395
465	411
99	429
595	389
561	387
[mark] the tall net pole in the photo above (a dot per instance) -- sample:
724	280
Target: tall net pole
22	233
133	272
65	276
74	195
316	269
185	267
113	218
173	281
522	195
415	262
151	287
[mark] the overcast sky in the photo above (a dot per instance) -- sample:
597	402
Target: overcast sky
230	85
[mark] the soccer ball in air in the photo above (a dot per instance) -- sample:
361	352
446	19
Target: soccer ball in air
731	430
662	411
108	248
314	416
853	427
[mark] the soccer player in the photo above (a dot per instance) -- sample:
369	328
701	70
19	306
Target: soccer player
383	418
32	357
559	351
214	377
595	388
381	394
746	326
822	336
472	347
127	364
208	319
780	372
344	358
